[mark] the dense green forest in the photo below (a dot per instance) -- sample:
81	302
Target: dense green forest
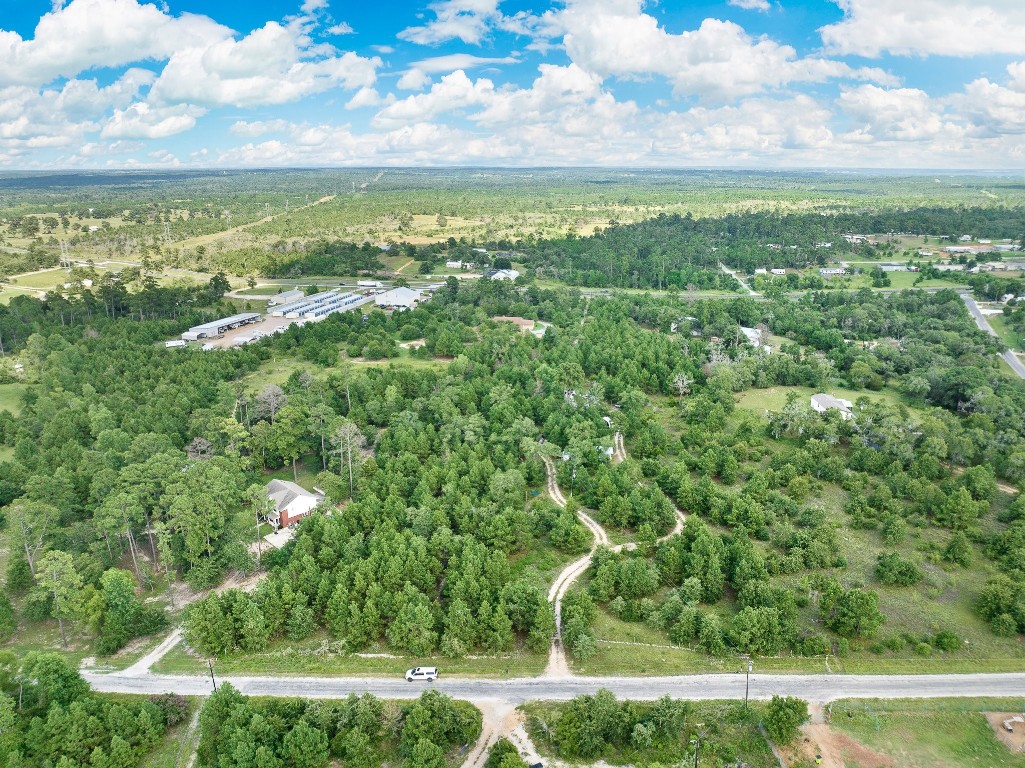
680	250
129	468
49	718
363	731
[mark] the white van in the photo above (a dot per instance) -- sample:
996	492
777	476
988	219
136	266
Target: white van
430	674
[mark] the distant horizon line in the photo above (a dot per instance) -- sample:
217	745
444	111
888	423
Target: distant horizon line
522	168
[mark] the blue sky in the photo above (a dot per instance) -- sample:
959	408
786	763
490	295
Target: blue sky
755	83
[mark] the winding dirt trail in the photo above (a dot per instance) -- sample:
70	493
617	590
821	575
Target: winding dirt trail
558	665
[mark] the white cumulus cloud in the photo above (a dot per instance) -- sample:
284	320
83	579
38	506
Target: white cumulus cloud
924	27
141	121
267	66
718	60
413	80
90	34
905	114
454	91
466	20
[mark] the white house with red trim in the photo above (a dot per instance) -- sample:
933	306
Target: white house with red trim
292	502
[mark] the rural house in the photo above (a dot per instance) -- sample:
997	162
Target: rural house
821	403
292	502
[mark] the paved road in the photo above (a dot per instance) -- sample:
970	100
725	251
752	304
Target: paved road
980	320
814	688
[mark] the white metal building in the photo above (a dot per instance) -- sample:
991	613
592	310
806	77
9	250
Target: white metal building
399	298
285	297
217	327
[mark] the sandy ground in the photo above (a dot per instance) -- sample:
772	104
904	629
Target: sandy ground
837	750
1013	741
501	720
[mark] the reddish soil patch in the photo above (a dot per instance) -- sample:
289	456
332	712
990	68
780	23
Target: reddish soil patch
837	750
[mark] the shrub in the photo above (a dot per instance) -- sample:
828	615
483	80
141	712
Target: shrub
784	716
895	570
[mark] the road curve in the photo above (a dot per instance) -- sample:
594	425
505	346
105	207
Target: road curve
980	320
814	688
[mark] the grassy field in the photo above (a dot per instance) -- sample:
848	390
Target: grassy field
318	655
8	292
774	398
46	279
1011	338
278	369
306	472
901	280
10	397
942	601
921	733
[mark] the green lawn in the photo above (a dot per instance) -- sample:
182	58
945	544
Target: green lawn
318	655
307	469
45	280
1011	338
925	733
278	369
8	292
901	280
774	398
10	397
263	290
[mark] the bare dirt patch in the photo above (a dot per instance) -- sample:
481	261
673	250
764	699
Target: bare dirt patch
1015	740
838	750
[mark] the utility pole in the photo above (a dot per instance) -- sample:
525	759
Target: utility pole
210	664
747	681
65	261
